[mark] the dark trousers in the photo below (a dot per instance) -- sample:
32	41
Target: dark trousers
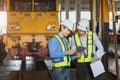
82	70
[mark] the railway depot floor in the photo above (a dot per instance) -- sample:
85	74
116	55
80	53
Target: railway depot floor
30	70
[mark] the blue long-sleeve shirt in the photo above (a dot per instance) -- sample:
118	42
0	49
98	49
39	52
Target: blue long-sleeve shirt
55	49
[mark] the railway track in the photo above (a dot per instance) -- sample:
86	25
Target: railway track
36	71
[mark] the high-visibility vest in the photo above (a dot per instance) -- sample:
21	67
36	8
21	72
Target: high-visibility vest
89	56
66	59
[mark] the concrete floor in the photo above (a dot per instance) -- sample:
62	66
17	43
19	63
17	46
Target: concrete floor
13	70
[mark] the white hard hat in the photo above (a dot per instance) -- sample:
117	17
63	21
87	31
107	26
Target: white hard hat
83	24
67	23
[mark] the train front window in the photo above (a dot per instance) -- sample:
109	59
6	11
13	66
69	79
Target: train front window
20	5
45	5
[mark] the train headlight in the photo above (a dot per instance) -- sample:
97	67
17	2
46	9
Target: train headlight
17	27
12	27
53	27
48	27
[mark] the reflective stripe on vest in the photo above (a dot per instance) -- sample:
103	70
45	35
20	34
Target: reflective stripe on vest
89	57
66	59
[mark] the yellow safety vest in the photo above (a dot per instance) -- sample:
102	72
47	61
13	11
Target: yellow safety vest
89	56
66	59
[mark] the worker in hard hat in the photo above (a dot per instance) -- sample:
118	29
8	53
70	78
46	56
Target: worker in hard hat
88	39
2	50
60	51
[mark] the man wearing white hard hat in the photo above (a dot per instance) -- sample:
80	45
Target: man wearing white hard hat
85	38
60	52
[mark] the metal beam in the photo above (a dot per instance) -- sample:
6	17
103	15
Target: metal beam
67	8
78	10
94	15
115	40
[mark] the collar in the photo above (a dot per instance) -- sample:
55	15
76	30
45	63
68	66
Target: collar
61	36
